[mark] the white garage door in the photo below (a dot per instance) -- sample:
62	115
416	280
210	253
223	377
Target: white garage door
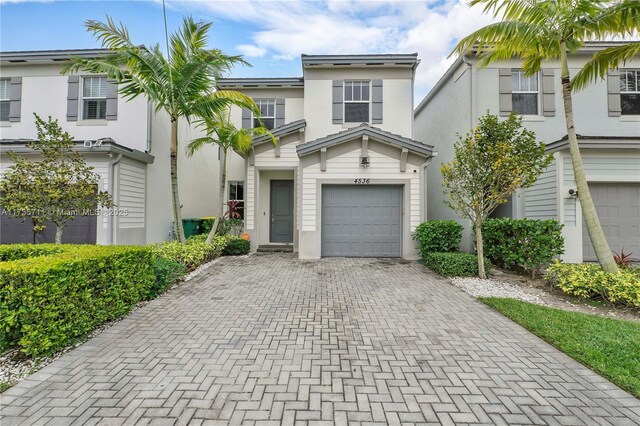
618	206
362	220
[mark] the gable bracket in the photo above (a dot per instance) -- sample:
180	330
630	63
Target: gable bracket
365	146
403	159
323	159
277	147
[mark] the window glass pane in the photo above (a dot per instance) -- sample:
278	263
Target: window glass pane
266	122
533	83
525	103
4	110
4	89
515	81
365	91
356	112
630	103
629	81
95	109
239	190
94	87
232	190
271	112
357	91
348	91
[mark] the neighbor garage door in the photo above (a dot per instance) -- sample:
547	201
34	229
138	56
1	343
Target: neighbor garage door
362	220
618	206
81	230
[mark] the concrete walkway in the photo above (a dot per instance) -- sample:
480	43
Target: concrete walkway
272	339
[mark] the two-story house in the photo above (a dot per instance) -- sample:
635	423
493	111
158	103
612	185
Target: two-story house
346	177
607	118
126	142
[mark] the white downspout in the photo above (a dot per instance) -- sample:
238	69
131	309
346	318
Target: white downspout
112	186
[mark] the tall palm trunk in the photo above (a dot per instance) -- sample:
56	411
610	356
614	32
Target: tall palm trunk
480	250
223	184
177	213
598	240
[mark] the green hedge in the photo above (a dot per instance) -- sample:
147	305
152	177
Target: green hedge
191	254
438	236
455	264
235	246
166	272
23	251
588	280
522	243
46	302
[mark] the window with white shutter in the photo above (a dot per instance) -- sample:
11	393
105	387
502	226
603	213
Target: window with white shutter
267	111
94	98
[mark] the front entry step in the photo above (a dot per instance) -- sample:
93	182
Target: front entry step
275	248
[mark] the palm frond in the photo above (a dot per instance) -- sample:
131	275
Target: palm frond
602	62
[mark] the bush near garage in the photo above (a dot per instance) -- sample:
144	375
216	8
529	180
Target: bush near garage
522	243
46	302
438	236
167	272
589	281
193	253
233	246
454	264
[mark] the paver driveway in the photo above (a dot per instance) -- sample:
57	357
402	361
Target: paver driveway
336	340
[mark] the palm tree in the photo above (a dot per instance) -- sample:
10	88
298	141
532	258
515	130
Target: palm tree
602	62
222	133
542	30
181	84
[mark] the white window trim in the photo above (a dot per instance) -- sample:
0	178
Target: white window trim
83	98
345	101
8	99
529	92
630	92
258	101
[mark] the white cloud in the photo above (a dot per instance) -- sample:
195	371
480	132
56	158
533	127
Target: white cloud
288	28
251	50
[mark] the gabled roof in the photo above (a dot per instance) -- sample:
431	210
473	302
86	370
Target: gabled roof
102	145
372	132
596	142
259	83
281	131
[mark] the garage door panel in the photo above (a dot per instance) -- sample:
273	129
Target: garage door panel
618	207
362	220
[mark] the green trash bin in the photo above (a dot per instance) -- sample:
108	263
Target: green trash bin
191	226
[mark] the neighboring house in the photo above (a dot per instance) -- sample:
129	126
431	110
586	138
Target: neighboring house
347	177
126	142
607	117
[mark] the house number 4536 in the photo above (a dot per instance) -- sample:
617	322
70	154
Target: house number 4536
361	181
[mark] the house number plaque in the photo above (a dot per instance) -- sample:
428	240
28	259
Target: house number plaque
361	181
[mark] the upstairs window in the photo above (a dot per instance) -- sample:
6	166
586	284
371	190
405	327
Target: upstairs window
267	111
356	101
630	92
4	99
236	193
524	93
94	98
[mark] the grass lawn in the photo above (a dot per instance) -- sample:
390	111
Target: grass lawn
610	347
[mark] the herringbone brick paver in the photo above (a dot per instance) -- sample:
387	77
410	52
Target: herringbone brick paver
271	340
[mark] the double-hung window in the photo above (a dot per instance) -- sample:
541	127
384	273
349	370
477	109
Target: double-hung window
524	93
630	92
94	98
236	193
267	111
357	101
4	99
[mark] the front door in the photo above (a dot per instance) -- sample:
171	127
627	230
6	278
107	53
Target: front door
281	211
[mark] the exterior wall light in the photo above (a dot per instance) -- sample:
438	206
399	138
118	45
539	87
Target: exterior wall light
364	162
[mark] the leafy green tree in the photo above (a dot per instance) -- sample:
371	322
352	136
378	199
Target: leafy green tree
543	30
602	62
182	84
55	188
489	164
222	133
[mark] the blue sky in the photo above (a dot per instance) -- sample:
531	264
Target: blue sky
271	35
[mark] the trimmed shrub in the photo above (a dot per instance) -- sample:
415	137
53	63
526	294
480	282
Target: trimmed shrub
522	243
455	264
589	281
225	226
191	254
438	236
47	302
23	251
166	272
235	246
207	223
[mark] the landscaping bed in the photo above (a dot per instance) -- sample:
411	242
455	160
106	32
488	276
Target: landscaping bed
608	346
